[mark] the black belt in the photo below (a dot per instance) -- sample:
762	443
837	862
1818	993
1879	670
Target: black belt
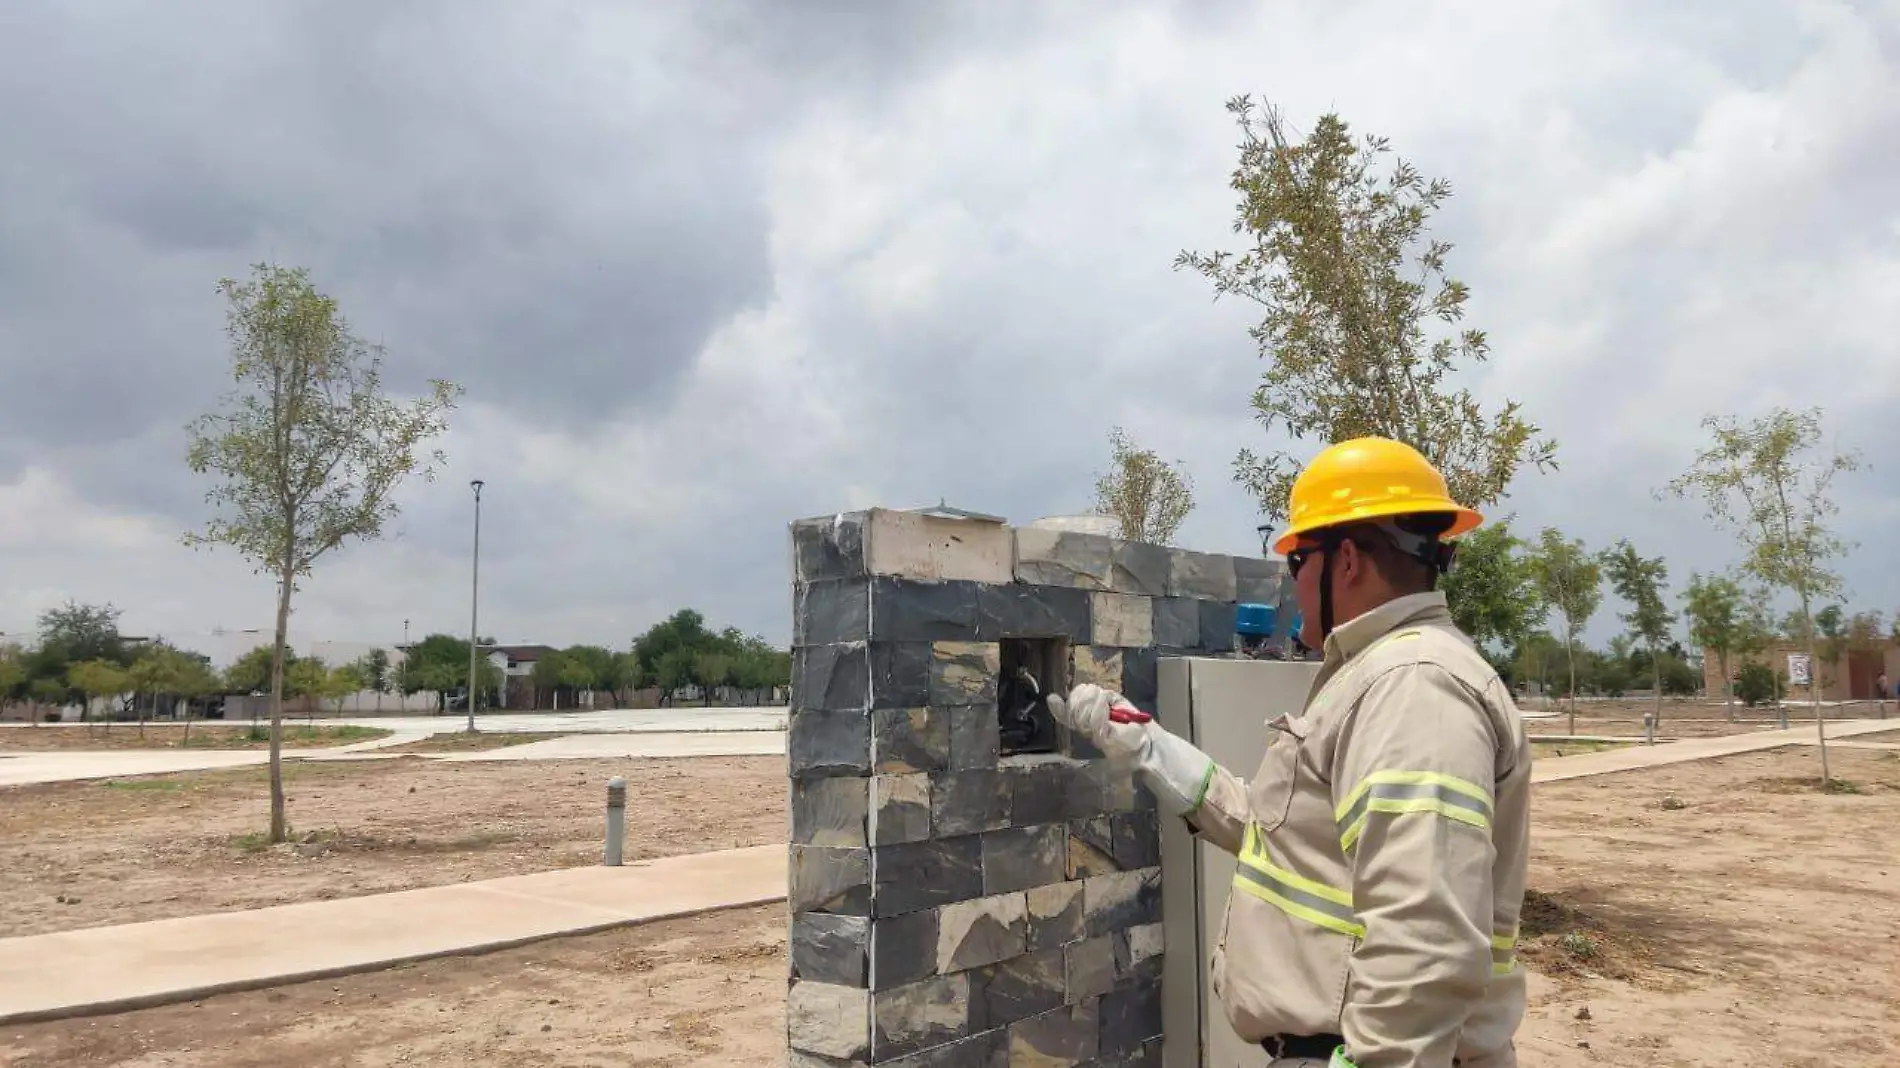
1318	1047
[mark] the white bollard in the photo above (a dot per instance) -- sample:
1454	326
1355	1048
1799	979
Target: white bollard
616	820
1649	728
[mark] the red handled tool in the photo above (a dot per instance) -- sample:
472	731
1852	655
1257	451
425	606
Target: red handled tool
1120	713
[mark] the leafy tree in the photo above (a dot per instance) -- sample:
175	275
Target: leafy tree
711	670
307	450
373	669
78	632
98	680
158	670
1491	589
1533	657
674	670
1830	625
1639	580
1569	580
547	674
340	683
1766	480
1360	315
250	673
48	691
439	662
12	675
1757	684
1148	497
587	668
1713	608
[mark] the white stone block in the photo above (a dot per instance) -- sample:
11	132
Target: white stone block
917	546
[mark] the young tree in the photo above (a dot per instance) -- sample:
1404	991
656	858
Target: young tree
1639	582
1491	589
1569	580
98	680
342	682
1768	481
1148	497
1359	313
308	451
1713	609
306	678
547	675
373	669
12	676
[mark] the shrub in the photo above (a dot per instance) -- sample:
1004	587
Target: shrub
1758	684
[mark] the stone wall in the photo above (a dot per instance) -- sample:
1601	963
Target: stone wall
952	905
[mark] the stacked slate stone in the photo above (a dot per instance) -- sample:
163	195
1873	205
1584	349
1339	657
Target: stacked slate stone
953	906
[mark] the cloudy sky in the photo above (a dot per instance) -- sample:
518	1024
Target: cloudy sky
707	267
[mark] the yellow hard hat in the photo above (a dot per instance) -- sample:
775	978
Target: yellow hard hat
1366	479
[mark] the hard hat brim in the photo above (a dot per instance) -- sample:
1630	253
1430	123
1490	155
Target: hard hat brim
1464	520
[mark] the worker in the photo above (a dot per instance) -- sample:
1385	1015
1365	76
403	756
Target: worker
1373	916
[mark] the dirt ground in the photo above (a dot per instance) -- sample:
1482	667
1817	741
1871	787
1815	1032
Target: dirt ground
81	854
706	992
1680	718
174	736
1716	913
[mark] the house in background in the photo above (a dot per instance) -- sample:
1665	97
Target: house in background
1849	678
516	663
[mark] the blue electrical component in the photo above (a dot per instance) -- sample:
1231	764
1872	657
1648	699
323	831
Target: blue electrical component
1254	620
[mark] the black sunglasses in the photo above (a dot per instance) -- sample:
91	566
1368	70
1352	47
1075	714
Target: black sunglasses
1296	558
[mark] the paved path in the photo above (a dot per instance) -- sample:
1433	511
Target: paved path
600	745
112	969
1635	757
666	720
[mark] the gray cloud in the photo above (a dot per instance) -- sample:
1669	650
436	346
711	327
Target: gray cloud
708	268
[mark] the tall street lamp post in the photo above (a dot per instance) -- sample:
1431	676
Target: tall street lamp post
474	605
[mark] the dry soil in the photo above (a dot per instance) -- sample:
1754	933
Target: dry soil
175	736
82	854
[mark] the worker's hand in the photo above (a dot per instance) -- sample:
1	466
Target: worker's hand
1105	717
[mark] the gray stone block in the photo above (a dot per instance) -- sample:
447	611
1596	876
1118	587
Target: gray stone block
1204	575
900	674
1128	1019
826	879
1063	1038
831	612
1217	626
923	875
974	737
908	610
1147	1056
1121	900
964	673
800	1059
830	677
909	739
1099	664
1257	580
1088	852
1121	619
1023	611
828	1019
1089	968
1140	568
828	547
906	1019
968	802
987	1050
971	934
1017	989
831	949
1039	789
1055	915
903	949
831	811
1138	952
1100	787
900	809
1177	621
1021	857
1063	558
828	743
1140	682
1127	840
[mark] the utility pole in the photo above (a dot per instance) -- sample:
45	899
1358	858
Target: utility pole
474	606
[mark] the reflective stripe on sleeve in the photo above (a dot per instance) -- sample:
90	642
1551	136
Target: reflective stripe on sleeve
1303	899
1503	954
1339	1059
1399	792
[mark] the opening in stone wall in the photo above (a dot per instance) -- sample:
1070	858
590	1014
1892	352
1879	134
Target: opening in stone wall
1032	669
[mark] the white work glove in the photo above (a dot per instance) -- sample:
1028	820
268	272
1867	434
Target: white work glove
1177	772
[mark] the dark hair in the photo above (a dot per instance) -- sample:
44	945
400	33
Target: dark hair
1403	570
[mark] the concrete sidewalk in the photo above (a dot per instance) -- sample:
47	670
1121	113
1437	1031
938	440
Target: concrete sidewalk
112	969
1637	757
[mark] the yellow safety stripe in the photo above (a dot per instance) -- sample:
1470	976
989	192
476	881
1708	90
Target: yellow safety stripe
1503	953
1399	792
1323	906
1301	898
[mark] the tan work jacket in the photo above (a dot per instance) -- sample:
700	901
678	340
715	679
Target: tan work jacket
1382	853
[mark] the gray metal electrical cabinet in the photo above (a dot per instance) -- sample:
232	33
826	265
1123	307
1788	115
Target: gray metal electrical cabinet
1222	706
